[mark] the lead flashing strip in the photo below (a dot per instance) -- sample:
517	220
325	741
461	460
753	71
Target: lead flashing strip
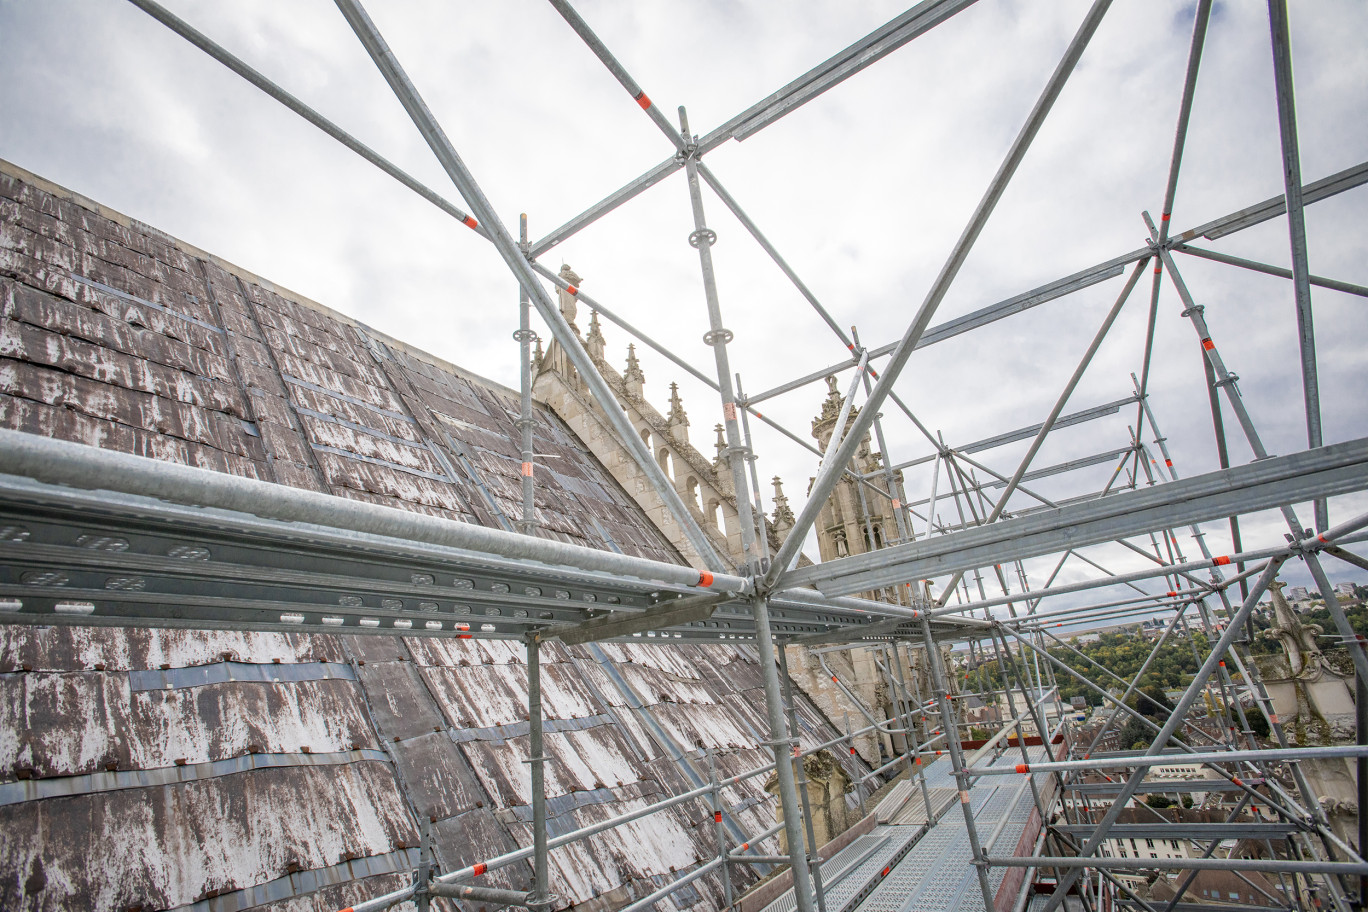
226	672
92	783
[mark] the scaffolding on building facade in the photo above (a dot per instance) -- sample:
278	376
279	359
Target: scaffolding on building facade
580	595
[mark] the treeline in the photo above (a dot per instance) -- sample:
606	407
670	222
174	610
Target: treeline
1122	654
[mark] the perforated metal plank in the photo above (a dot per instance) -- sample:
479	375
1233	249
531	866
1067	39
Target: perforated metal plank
837	868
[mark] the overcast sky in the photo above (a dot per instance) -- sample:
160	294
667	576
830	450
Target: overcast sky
864	191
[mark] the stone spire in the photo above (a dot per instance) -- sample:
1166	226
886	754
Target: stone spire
721	444
594	343
678	421
537	356
824	425
783	515
633	378
568	306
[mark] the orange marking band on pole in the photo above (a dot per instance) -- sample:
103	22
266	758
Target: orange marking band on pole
1322	539
479	869
1169	463
643	100
1164	217
1222	560
705	579
1023	767
470	222
527	469
572	289
1208	344
717	816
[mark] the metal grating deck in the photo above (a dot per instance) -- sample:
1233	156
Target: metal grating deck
936	874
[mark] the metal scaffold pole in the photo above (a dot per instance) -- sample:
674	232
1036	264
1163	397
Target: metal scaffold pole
541	898
525	335
518	263
941	685
813	853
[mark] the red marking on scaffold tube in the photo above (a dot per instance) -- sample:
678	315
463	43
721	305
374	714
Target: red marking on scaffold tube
572	289
1236	780
348	909
1087	756
729	411
643	100
873	373
470	222
758	415
1208	344
1222	560
850	345
1171	594
1322	539
1223	663
705	579
1273	717
744	846
884	872
852	753
919	761
717	816
1164	217
1023	767
479	869
896	503
1157	270
1169	463
527	469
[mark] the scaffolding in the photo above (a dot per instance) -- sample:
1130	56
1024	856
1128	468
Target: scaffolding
580	595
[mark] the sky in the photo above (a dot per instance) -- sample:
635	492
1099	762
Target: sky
863	190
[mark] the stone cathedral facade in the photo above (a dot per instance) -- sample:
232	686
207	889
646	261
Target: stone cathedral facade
856	518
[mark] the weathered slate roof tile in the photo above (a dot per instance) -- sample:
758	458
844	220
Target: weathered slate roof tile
292	771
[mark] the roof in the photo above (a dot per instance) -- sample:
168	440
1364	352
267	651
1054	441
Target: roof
119	336
219	770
